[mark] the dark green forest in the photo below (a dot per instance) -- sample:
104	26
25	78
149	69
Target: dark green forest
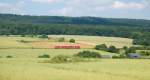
138	29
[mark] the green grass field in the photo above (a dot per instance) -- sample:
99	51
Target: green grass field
25	64
105	69
34	53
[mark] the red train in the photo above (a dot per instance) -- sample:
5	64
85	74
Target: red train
67	47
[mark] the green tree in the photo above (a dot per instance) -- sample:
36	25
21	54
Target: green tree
101	47
113	49
72	41
88	54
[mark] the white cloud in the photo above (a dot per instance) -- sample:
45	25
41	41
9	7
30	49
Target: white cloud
94	7
130	5
11	8
47	1
82	7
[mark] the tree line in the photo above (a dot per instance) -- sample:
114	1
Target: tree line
139	30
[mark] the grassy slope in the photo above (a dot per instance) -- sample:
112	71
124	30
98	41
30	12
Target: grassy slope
25	66
12	69
34	53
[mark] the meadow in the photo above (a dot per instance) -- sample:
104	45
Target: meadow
34	53
25	64
83	41
103	69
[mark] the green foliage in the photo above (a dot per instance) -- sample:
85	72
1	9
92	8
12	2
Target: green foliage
88	54
72	41
132	50
44	56
145	53
113	49
143	40
129	50
61	59
9	56
66	59
101	47
115	57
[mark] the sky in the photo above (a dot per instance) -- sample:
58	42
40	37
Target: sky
137	9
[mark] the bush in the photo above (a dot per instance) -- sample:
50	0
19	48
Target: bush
132	50
145	53
101	47
61	59
88	54
66	59
113	49
9	56
115	57
44	56
72	41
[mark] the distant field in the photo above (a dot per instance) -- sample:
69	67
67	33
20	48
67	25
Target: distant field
34	53
119	69
83	41
93	40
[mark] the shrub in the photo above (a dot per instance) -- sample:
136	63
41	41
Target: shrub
113	49
132	50
115	57
66	59
72	41
44	56
101	47
88	54
61	59
9	56
145	53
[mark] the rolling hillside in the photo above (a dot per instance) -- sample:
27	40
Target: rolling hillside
72	20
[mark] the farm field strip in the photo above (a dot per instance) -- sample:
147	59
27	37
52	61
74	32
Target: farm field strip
83	41
34	53
112	69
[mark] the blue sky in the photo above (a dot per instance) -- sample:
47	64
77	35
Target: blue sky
139	9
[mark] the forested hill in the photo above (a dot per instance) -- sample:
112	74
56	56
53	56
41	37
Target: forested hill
137	29
72	20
